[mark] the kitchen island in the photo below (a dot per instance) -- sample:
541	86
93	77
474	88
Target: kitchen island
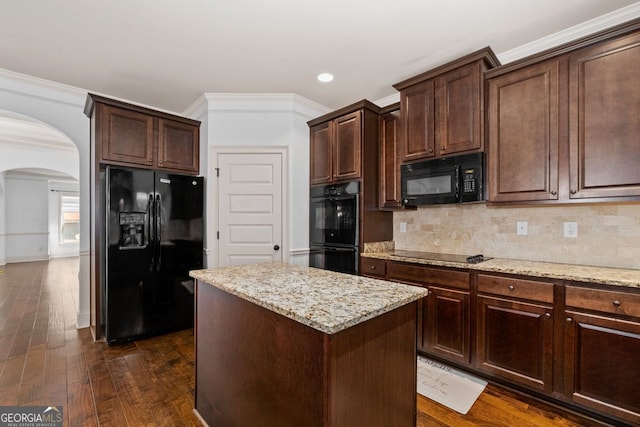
286	345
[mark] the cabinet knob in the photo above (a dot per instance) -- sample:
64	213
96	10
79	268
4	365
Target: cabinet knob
616	303
569	320
442	148
151	161
431	150
573	191
373	267
511	287
547	315
554	192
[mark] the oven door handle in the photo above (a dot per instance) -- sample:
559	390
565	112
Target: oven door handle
340	249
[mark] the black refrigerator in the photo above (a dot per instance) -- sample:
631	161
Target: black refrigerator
154	236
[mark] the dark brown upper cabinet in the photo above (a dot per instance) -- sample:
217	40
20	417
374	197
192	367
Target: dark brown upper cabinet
442	110
604	119
523	133
338	141
130	135
390	147
563	124
335	150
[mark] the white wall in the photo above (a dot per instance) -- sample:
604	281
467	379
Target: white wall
27	222
263	120
3	258
60	107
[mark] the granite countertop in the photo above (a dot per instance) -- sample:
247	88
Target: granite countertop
324	300
590	274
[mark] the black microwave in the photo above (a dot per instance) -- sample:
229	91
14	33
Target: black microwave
455	179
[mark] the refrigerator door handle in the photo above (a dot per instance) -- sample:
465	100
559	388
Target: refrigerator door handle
158	206
149	238
149	216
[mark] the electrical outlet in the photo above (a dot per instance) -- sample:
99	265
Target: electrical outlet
403	227
571	230
522	228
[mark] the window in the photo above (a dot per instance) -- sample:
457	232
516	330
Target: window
69	218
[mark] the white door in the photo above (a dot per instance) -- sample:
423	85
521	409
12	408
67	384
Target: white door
250	208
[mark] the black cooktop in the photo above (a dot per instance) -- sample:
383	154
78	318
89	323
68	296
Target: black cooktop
436	256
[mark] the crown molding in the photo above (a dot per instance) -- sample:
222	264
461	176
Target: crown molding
11	81
198	109
388	100
586	28
255	102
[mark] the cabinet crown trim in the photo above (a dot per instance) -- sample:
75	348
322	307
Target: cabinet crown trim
486	54
345	110
93	99
565	48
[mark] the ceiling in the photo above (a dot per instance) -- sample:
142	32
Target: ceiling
167	53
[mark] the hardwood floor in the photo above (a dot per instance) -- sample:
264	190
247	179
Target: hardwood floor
45	360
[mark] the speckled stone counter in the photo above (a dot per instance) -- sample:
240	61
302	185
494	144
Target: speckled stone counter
299	346
322	299
590	274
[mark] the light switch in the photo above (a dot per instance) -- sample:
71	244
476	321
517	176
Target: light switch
403	227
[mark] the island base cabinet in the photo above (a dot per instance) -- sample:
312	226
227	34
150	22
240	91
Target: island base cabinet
256	367
601	364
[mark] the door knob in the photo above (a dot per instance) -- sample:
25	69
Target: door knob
276	248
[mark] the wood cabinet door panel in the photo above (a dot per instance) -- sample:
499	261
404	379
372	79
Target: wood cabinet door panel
321	154
523	134
348	146
458	110
127	136
178	146
389	160
601	364
447	327
604	125
418	116
515	341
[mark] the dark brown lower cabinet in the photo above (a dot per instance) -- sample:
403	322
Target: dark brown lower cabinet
602	364
590	360
445	324
515	341
602	351
444	316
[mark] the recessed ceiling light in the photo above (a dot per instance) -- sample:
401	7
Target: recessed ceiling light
325	77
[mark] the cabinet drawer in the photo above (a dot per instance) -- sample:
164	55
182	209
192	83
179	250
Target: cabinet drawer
428	276
614	302
516	288
373	267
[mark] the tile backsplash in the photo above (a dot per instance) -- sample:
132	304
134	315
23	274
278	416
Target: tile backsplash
607	234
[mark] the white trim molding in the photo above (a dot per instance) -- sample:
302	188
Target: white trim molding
586	28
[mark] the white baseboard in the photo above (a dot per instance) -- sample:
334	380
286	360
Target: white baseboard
27	258
83	319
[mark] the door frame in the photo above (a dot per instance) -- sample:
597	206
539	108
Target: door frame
212	203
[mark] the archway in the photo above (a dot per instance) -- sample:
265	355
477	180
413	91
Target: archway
38	163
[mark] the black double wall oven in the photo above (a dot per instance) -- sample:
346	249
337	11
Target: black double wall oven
334	227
